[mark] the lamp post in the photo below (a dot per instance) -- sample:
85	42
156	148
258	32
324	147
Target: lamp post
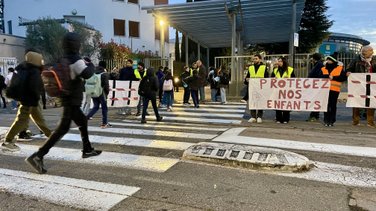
162	39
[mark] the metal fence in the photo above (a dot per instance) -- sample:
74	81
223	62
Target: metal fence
302	64
149	62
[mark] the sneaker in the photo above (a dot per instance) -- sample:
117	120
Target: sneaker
92	153
24	136
356	123
259	120
36	163
103	126
252	120
331	125
138	114
186	104
10	146
371	125
278	122
159	118
143	121
285	122
243	101
326	125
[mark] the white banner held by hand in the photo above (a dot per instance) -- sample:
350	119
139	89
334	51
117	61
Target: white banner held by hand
291	94
361	90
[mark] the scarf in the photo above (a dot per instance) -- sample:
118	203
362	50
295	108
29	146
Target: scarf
367	62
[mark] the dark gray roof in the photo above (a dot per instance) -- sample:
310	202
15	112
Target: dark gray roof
259	21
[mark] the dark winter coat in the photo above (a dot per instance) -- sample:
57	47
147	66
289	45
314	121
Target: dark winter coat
316	70
33	86
358	66
153	84
104	79
193	81
127	74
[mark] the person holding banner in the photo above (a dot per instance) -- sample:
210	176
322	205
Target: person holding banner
282	70
337	75
315	73
364	63
256	70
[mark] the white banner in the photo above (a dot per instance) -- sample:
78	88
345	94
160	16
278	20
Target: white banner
361	90
291	94
123	94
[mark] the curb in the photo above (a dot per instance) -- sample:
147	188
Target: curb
248	157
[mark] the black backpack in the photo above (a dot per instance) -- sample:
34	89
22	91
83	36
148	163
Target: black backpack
18	85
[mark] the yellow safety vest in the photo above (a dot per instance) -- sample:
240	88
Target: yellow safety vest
138	75
334	85
260	72
286	74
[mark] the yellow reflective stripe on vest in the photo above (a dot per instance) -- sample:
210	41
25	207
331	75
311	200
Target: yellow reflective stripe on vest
286	74
137	73
260	72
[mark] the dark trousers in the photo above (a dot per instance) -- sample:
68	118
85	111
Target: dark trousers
282	116
101	100
315	115
194	95
145	105
187	92
160	94
69	113
3	99
44	100
331	113
257	113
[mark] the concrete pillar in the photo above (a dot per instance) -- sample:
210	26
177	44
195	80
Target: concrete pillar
293	30
186	50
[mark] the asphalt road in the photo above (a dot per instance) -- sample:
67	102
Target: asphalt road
185	185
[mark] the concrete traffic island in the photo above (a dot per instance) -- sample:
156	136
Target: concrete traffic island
248	157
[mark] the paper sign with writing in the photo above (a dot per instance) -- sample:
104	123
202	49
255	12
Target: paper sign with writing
361	90
290	94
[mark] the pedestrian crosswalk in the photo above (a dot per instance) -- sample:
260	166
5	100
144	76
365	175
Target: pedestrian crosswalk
179	130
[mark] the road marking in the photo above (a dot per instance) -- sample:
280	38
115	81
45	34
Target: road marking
148	163
3	130
152	124
162	144
338	174
150	132
232	136
223	106
197	120
214	110
70	192
207	114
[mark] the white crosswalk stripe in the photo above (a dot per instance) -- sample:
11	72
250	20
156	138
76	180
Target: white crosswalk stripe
175	133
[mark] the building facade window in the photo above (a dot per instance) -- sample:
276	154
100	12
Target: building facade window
133	1
134	29
119	27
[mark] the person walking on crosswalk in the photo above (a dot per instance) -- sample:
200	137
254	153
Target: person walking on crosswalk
71	100
102	99
148	89
29	97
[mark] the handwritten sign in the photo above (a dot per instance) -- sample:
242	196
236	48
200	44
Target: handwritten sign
361	90
291	94
123	94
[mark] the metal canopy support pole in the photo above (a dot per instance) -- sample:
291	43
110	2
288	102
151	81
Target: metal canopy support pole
198	51
207	57
293	30
162	40
232	88
186	50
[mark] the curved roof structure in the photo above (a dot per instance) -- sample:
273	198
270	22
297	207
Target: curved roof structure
209	22
348	37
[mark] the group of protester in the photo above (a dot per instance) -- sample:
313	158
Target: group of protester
331	68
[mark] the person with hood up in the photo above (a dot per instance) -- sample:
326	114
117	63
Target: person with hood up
71	101
149	87
337	75
29	102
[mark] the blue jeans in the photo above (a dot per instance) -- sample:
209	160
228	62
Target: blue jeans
194	94
214	95
101	100
169	98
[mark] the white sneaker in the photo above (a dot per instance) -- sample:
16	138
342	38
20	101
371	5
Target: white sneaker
259	120
10	146
252	120
243	101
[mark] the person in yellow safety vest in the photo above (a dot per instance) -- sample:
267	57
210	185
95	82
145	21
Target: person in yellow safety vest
194	67
282	70
139	73
256	70
337	75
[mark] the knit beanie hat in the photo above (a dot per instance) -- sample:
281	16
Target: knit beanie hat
34	58
332	57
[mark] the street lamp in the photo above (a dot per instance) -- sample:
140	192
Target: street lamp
162	39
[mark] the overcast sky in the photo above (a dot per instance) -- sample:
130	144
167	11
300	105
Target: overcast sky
357	17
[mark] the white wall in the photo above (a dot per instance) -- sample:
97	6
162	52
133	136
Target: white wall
12	46
98	13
